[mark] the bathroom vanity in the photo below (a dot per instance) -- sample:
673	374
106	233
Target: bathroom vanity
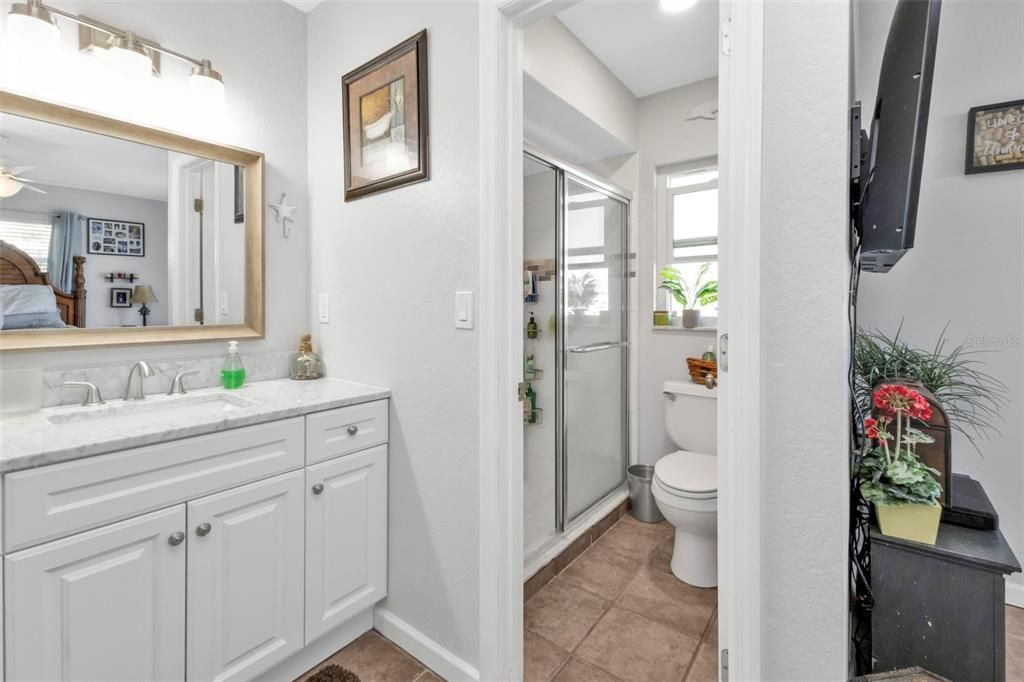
215	535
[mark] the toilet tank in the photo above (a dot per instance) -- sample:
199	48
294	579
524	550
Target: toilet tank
691	416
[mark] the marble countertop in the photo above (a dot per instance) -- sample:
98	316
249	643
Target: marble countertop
63	434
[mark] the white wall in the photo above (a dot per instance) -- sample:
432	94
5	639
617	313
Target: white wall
804	456
151	269
391	264
266	111
665	138
966	267
555	58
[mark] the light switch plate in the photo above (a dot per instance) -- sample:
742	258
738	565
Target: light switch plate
463	309
323	309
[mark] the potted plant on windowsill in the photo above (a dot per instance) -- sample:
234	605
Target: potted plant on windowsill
687	295
903	490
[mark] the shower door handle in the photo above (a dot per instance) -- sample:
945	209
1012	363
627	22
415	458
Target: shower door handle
604	345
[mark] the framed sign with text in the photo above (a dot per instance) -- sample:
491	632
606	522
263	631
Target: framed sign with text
995	137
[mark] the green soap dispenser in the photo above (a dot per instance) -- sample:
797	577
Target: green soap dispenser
233	374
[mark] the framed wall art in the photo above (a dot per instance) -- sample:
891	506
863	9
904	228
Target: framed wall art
115	237
385	115
995	137
120	297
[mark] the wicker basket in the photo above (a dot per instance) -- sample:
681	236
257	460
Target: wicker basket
701	368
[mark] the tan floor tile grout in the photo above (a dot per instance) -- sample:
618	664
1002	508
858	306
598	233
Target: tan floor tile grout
613	603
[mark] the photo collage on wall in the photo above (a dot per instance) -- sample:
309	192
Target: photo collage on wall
116	237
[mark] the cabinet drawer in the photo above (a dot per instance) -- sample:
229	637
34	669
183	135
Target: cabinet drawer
50	502
347	429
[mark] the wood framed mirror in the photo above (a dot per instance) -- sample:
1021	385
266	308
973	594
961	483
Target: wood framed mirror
114	233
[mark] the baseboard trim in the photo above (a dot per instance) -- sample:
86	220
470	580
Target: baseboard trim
1015	595
430	653
319	649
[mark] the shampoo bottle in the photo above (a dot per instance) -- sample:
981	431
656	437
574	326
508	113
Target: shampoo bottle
233	374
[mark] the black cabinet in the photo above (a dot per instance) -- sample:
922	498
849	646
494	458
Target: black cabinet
942	607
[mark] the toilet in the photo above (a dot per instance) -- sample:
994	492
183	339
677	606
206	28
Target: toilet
685	485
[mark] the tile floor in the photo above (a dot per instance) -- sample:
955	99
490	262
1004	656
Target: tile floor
1014	644
376	659
617	613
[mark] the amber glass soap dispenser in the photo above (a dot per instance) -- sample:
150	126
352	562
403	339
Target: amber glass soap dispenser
305	364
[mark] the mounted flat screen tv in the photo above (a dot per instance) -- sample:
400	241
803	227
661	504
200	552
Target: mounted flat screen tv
893	153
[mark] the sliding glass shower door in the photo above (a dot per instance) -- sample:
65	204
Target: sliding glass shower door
575	284
594	348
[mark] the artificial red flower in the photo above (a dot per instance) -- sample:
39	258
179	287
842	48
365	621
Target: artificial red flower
896	399
871	427
921	409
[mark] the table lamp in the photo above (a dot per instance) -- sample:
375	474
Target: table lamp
144	294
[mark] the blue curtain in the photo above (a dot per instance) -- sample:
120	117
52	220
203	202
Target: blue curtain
67	241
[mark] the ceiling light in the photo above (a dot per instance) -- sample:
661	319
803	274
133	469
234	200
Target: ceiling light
33	26
131	56
676	6
8	186
206	86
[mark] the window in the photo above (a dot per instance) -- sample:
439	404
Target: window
687	220
588	272
32	237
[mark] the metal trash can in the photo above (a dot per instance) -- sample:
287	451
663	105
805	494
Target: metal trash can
641	500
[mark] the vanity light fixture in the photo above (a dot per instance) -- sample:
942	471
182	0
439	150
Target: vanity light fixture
34	22
676	6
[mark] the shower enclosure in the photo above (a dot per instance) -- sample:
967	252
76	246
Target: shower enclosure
575	293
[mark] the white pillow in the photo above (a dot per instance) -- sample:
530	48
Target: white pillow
19	299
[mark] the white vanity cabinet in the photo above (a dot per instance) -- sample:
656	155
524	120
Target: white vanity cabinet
245	558
346	538
107	604
228	578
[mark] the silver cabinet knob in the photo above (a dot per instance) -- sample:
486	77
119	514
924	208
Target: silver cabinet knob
203	529
353	430
176	538
318	488
710	381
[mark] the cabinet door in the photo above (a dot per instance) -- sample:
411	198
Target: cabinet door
346	538
245	579
107	604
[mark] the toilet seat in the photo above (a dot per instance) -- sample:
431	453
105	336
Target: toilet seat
692	475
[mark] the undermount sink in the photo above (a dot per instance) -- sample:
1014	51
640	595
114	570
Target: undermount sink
178	407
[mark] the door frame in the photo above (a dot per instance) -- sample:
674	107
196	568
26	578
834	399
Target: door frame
501	27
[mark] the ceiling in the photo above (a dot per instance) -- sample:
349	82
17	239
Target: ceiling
646	48
70	157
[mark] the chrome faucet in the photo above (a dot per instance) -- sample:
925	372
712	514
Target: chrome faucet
92	395
144	371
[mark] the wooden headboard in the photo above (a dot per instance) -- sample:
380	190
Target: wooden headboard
17	267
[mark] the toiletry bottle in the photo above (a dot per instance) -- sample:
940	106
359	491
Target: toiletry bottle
709	354
531	404
531	328
305	364
531	365
233	374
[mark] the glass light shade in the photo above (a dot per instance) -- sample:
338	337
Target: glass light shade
29	34
206	92
9	186
675	6
131	61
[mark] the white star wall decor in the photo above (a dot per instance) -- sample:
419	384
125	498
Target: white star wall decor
284	214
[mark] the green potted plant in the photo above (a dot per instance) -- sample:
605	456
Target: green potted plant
582	292
688	295
903	490
970	397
